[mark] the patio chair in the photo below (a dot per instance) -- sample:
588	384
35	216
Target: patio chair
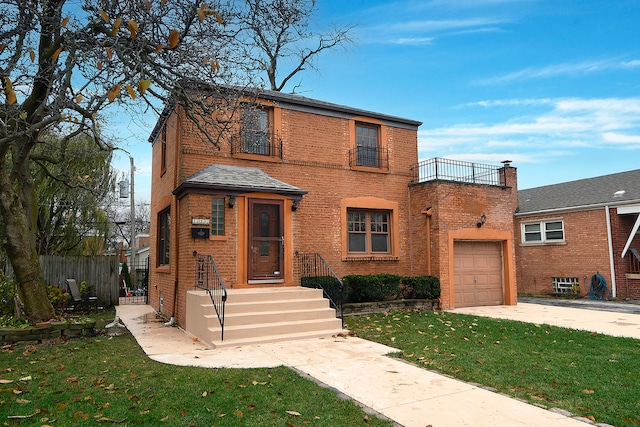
78	298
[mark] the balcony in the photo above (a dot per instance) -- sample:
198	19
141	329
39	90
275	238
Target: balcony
261	143
438	169
369	157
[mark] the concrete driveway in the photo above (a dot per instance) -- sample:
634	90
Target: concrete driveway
604	317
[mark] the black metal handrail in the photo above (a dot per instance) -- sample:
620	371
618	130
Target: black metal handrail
458	171
263	143
374	157
316	273
208	278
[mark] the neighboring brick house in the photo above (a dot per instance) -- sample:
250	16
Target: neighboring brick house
566	233
303	176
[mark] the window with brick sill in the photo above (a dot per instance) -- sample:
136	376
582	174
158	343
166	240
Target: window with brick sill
217	216
369	232
164	231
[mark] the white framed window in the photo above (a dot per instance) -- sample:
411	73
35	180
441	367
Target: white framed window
217	216
547	231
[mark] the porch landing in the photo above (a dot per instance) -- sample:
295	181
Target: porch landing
261	315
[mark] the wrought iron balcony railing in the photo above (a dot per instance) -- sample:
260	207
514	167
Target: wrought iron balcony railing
373	157
263	143
438	169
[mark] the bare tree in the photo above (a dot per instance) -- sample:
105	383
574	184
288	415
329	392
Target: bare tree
63	62
278	39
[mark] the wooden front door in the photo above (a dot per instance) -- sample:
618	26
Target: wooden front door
266	239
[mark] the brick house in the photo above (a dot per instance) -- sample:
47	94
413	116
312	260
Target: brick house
566	233
303	177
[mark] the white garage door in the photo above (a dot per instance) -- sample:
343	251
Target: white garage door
477	274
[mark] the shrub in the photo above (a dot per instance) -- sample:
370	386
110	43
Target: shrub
390	284
421	287
127	276
330	284
372	287
385	287
58	297
86	288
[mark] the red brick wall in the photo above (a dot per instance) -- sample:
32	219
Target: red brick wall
455	210
162	279
584	253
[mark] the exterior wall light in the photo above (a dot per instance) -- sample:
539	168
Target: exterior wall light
483	219
232	201
294	205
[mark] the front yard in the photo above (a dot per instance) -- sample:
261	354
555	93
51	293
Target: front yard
102	380
587	374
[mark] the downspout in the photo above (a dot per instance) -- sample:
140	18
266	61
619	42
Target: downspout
410	231
427	213
173	230
611	261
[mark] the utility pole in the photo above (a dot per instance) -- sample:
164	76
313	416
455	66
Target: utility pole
132	245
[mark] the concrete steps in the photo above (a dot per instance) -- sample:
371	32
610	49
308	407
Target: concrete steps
261	315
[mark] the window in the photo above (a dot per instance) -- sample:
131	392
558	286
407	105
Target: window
566	285
543	232
163	137
255	132
367	149
217	216
164	231
368	231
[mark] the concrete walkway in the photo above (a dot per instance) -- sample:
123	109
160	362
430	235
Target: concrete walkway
360	369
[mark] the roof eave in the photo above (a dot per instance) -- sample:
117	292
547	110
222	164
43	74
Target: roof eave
576	208
232	190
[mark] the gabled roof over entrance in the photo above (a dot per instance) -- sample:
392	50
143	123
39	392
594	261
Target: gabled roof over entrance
232	180
608	190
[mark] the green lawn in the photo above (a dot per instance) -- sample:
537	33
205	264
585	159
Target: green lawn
588	374
103	380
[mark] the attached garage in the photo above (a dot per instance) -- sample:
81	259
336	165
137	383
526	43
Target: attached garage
478	275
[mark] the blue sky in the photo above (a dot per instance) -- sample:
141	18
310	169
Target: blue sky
553	85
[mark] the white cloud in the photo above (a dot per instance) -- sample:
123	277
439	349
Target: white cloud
416	41
567	125
510	102
565	69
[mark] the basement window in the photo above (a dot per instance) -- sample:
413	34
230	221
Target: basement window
566	285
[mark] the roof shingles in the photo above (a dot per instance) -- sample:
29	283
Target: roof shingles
597	191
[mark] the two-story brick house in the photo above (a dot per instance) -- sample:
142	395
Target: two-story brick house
303	176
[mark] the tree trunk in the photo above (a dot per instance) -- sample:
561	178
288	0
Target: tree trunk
20	247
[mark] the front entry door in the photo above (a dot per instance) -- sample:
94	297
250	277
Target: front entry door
266	239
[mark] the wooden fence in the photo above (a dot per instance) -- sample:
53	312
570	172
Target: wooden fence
100	271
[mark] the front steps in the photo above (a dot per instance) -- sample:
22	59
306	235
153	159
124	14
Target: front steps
261	315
